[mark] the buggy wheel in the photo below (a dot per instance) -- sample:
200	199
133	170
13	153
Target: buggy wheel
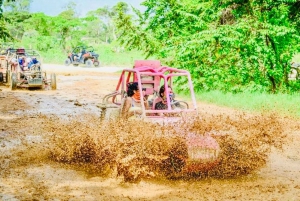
13	81
1	77
89	63
67	62
53	81
96	63
298	75
8	76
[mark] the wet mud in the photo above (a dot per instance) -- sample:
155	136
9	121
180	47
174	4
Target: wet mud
54	147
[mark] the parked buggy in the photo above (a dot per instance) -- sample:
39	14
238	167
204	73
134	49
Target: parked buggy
25	70
4	69
294	71
83	55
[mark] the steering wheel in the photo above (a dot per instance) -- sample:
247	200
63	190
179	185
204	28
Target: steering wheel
180	104
35	67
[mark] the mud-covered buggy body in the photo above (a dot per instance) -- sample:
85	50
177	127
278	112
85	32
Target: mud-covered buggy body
294	73
30	74
4	69
202	151
4	64
83	55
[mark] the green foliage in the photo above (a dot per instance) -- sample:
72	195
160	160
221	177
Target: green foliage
4	32
227	45
17	5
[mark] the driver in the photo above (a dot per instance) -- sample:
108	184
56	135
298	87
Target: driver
161	102
131	106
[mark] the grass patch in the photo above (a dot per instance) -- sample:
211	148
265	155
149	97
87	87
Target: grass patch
283	104
108	56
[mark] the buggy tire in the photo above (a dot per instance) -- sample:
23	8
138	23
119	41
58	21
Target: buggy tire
67	62
1	77
8	77
13	81
53	81
89	63
96	63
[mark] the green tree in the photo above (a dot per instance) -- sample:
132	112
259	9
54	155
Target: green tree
70	11
15	23
4	33
17	5
49	32
230	45
106	20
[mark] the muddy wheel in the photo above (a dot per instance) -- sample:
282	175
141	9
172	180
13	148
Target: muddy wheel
96	63
173	166
89	63
1	77
13	81
8	77
53	81
298	75
67	62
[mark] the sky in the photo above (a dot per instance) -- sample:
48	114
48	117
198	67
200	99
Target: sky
83	6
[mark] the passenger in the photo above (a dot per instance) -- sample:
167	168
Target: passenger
14	64
23	63
161	102
33	61
131	105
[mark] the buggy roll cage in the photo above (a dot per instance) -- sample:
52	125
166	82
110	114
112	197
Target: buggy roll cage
148	74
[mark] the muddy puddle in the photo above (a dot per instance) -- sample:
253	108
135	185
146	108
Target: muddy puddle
54	147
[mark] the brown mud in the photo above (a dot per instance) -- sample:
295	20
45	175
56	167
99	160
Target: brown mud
53	147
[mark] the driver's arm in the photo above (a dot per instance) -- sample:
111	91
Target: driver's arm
125	106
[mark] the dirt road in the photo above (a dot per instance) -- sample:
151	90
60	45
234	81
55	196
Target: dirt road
35	123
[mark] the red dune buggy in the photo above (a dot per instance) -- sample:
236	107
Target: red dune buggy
202	150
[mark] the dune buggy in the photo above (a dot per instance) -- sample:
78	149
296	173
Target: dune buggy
26	70
4	65
4	69
294	71
150	76
83	55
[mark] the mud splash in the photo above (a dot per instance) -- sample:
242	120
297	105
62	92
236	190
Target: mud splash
136	150
45	157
